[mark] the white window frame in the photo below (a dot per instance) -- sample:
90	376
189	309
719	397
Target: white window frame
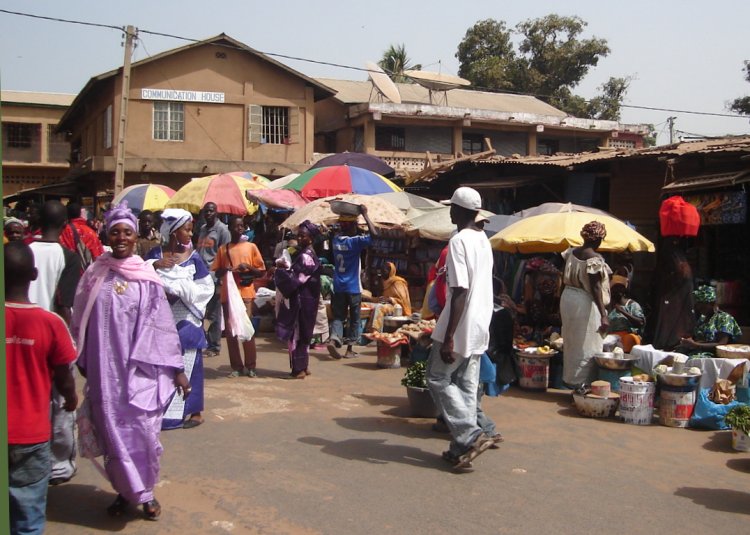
107	128
175	116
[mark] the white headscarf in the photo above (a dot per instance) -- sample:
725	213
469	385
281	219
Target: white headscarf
172	219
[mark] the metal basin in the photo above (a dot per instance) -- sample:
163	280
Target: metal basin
673	379
609	362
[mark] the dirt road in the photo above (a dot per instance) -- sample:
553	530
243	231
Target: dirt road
337	454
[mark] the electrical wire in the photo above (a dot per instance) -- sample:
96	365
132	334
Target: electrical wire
350	67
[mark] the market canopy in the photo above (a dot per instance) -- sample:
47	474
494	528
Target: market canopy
141	197
555	232
282	199
404	200
357	159
435	224
380	212
555	207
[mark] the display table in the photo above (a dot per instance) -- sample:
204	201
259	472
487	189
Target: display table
713	369
649	357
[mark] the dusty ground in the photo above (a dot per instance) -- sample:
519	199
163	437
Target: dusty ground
337	454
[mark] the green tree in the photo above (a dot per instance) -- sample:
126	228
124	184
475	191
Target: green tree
395	61
550	61
741	105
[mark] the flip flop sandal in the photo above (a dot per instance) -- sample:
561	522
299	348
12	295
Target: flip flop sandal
333	352
453	460
118	507
191	423
151	510
234	374
480	445
351	355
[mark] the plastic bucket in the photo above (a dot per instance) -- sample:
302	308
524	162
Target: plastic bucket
534	372
676	405
740	440
388	357
636	401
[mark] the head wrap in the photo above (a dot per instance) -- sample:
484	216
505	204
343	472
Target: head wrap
705	294
619	279
348	218
593	231
312	228
12	221
540	264
172	219
121	214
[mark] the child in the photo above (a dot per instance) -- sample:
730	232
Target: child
38	350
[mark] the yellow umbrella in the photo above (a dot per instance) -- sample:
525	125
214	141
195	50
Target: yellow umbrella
381	212
555	232
227	191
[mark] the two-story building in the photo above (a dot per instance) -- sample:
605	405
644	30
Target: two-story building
33	153
209	107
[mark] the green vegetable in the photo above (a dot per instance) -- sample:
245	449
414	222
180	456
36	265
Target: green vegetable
416	375
739	418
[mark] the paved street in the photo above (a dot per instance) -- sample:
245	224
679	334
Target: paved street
337	454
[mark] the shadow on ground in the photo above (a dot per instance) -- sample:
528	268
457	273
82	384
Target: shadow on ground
73	504
720	441
377	451
741	465
395	426
730	501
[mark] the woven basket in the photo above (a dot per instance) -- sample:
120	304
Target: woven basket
733	351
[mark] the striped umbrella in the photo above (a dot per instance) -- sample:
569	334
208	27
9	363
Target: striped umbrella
225	190
338	179
145	197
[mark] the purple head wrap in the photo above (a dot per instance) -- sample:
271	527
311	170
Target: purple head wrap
121	214
311	228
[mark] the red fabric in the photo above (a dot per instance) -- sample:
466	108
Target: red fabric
35	342
441	284
87	234
677	217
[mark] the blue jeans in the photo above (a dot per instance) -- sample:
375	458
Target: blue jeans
454	389
28	477
346	307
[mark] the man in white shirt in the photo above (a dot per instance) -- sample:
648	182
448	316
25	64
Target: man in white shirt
462	332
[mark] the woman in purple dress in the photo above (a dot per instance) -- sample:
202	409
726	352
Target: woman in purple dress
299	284
129	353
189	288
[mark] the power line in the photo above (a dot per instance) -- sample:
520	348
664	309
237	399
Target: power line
342	66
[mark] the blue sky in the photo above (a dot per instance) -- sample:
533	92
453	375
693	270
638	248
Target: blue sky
684	55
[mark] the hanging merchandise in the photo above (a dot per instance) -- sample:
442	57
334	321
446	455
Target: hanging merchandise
678	217
721	208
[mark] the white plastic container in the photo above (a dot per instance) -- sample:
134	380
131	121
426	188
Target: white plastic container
740	440
636	401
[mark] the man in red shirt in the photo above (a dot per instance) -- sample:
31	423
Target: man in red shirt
38	349
86	234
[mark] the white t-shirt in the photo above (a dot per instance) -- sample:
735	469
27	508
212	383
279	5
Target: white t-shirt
469	265
49	261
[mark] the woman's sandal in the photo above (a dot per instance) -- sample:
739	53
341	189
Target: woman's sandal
192	422
151	510
118	507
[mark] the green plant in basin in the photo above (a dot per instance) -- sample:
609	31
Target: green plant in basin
416	375
739	418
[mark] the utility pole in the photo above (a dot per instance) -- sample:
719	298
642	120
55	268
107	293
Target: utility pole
130	35
670	122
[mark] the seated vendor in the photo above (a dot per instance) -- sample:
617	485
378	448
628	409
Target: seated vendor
714	326
540	313
395	291
626	318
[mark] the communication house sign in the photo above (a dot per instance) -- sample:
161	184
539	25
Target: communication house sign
181	95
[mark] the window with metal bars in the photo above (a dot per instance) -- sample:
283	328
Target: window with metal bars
169	121
58	148
22	142
390	138
269	124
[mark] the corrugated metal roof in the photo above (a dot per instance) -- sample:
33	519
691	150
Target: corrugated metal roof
707	182
358	92
37	98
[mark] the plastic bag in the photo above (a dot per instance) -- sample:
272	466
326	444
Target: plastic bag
710	415
238	323
88	442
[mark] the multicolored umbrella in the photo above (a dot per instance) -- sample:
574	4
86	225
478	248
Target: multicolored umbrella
357	159
380	212
225	190
260	179
145	197
282	199
338	179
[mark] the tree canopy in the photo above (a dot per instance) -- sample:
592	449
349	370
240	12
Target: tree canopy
395	61
550	60
741	105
